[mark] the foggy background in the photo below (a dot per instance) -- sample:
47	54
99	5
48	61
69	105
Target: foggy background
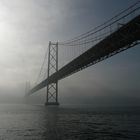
26	27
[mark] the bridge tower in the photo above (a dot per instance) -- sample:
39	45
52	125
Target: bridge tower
52	89
27	88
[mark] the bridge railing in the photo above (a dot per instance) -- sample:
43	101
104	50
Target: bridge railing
76	46
70	49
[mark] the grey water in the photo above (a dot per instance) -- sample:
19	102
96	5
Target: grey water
37	122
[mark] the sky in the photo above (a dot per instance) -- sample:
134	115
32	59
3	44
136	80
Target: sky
26	27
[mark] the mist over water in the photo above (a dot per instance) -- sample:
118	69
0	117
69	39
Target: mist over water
37	122
101	102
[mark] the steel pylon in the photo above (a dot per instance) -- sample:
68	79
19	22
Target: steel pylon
52	89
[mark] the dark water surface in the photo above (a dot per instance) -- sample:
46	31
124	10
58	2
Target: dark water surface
36	122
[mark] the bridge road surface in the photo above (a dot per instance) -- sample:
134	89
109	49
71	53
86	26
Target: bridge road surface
125	37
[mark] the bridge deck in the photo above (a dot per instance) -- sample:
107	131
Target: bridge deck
125	37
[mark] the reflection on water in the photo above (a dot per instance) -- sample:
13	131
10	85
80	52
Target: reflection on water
25	122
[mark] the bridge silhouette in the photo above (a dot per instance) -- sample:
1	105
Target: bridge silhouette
114	36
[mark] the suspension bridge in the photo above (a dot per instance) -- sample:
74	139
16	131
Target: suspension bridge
113	36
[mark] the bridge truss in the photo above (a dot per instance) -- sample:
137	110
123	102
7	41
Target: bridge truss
114	36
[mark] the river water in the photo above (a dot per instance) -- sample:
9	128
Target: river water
37	122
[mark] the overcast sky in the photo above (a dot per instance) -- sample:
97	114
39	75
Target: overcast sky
26	27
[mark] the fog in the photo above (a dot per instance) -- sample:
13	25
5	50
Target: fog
26	27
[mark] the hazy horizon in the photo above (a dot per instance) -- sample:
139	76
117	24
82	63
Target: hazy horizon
27	27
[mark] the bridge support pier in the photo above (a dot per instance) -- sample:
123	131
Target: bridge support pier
52	89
